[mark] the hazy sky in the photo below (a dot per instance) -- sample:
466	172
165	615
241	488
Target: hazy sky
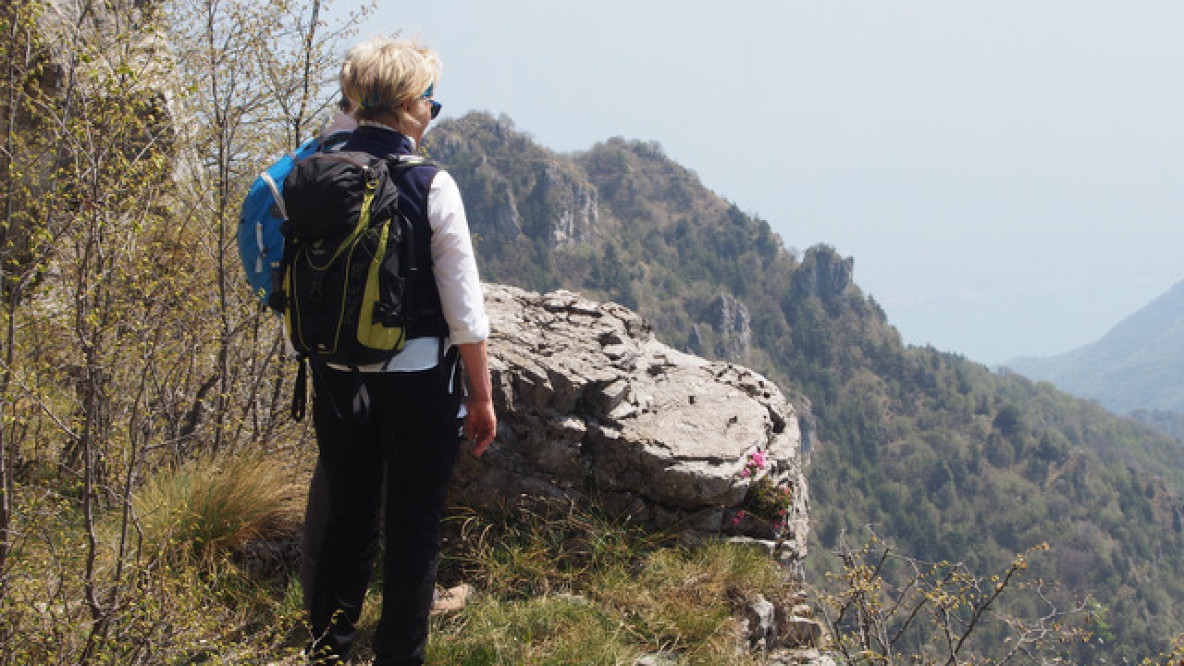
1008	174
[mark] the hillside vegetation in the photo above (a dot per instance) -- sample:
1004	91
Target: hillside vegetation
927	449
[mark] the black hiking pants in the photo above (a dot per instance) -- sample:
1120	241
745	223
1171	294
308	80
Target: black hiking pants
408	445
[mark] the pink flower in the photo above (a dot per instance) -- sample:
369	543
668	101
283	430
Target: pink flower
758	458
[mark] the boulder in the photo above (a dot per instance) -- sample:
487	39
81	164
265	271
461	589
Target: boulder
593	407
760	617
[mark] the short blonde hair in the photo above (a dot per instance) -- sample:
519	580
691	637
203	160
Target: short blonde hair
381	74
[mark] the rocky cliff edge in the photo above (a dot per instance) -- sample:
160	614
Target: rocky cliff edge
594	407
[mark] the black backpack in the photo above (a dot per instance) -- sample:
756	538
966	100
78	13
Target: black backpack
348	263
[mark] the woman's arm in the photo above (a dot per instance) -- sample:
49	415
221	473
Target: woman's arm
480	420
455	269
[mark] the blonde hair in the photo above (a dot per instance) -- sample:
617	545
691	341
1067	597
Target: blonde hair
381	74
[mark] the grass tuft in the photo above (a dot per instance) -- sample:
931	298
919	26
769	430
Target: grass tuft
205	510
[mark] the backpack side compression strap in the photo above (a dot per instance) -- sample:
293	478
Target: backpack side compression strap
300	389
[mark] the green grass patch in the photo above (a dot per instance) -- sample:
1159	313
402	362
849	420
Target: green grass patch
542	630
567	586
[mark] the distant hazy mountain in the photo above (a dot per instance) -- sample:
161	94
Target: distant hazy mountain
1139	364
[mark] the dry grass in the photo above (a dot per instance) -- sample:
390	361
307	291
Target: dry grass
207	509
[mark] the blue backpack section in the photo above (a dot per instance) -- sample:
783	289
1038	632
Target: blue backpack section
260	225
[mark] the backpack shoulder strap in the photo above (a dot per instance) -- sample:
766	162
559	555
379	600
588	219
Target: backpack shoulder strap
334	141
398	164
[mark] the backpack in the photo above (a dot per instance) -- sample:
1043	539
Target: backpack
260	240
349	259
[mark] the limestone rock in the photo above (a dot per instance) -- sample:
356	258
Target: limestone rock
728	330
572	205
733	327
593	406
760	615
801	632
823	273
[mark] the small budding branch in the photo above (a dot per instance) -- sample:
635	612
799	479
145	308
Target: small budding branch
868	618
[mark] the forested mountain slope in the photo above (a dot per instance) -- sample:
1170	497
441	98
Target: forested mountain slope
931	450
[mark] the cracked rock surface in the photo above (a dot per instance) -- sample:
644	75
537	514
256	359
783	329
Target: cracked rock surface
593	406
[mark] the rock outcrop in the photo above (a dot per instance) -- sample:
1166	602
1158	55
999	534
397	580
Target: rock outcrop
567	203
823	273
727	332
733	327
519	191
594	407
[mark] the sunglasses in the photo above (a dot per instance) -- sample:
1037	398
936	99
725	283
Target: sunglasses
436	106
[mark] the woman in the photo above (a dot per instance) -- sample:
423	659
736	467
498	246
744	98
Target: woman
409	439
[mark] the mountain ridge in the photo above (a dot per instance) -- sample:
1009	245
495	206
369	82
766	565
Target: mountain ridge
1135	365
